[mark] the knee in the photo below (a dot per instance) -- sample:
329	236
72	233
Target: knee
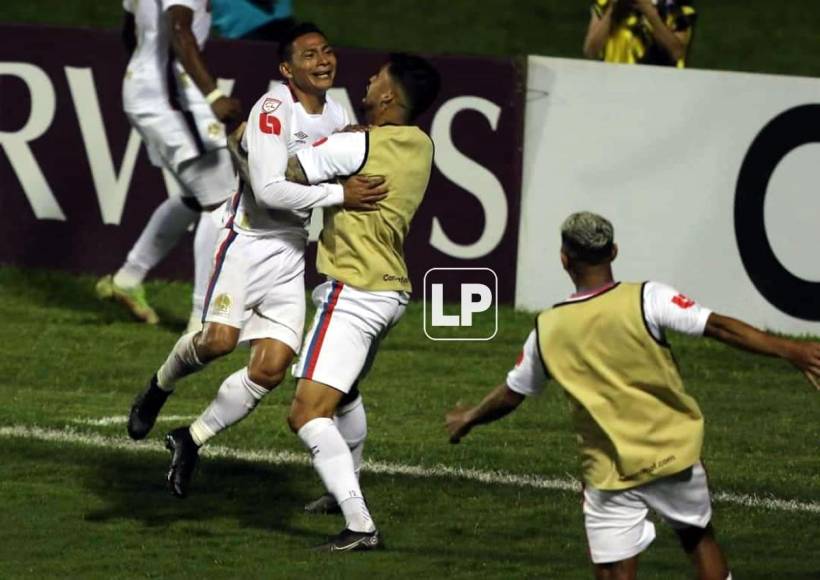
216	341
266	376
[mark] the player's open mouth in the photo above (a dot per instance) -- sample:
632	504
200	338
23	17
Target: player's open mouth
325	76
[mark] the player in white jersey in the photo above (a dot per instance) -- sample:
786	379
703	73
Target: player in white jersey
172	100
256	291
619	405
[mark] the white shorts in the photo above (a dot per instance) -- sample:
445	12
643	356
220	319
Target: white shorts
348	326
258	285
615	521
192	146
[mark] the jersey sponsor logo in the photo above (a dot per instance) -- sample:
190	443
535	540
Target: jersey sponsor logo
270	105
319	142
270	124
683	301
301	135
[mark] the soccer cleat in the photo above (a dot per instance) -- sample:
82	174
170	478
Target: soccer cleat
144	410
350	541
132	298
184	457
325	504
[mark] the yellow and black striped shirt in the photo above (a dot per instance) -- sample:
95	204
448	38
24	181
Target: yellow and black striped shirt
630	40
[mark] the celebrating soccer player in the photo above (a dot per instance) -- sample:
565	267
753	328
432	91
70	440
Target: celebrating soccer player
640	433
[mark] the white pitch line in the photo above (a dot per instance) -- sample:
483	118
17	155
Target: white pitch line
123	419
70	435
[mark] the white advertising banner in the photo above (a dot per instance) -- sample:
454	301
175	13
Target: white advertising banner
711	180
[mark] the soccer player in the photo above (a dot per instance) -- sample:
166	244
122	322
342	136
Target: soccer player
639	432
173	101
368	286
256	292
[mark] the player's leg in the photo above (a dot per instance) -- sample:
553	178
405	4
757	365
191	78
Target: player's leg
274	303
209	179
336	352
351	421
224	316
684	501
623	570
311	419
617	531
169	143
190	354
167	225
237	397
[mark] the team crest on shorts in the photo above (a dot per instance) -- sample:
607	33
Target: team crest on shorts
215	130
222	304
270	105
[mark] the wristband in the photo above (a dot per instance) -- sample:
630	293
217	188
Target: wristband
214	96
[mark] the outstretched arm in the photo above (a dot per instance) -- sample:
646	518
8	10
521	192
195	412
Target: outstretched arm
804	355
498	403
526	378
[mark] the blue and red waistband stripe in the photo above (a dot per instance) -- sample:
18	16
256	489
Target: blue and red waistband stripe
315	347
220	259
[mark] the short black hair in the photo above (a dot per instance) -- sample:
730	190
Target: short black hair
286	43
419	80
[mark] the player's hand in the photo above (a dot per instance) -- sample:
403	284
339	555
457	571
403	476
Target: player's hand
806	357
363	192
227	109
457	422
238	156
354	129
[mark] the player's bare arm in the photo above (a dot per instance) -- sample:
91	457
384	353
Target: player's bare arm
187	52
598	32
673	43
804	355
498	403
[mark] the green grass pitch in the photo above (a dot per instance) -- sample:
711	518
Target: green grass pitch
78	500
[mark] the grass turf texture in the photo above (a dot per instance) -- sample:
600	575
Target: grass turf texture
743	35
77	511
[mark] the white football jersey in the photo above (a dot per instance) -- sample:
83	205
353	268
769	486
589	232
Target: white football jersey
278	126
146	83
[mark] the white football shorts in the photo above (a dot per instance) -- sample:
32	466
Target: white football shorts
192	146
616	521
347	328
258	285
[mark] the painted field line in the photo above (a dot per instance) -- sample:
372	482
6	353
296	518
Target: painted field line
70	435
123	419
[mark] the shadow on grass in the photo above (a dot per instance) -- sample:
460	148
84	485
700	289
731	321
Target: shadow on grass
59	290
262	497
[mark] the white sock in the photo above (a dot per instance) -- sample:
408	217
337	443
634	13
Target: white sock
237	397
181	362
167	225
351	420
205	238
334	463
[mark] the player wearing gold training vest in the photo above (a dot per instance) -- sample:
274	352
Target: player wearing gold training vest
639	433
368	283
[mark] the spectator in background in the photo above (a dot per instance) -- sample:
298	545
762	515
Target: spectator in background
253	19
640	31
